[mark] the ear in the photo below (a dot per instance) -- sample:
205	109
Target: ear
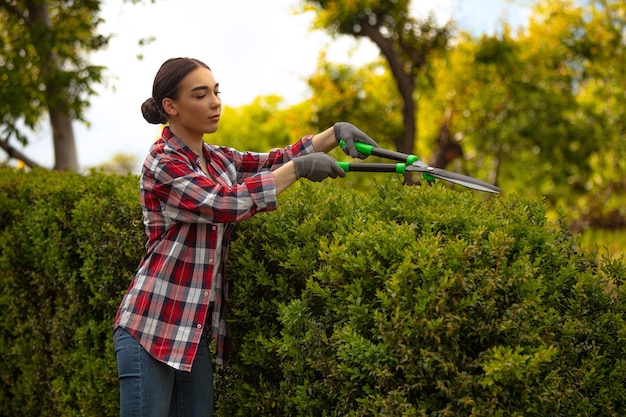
169	106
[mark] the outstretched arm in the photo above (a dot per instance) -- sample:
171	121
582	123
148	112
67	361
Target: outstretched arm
325	141
316	168
286	174
284	177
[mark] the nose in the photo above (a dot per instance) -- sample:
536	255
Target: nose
216	102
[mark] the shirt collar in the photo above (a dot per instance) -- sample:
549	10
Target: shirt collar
178	145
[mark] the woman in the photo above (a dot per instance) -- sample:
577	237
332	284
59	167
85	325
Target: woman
192	194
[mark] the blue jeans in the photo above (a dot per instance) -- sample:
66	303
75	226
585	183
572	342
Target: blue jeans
150	388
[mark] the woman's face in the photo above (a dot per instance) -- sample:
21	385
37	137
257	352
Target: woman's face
197	109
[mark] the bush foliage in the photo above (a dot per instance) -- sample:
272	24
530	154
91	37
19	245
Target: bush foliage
400	301
421	301
69	246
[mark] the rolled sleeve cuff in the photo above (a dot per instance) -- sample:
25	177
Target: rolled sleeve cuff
307	145
262	188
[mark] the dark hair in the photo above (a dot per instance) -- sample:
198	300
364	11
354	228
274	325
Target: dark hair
166	85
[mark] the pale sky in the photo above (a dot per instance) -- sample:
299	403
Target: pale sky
253	48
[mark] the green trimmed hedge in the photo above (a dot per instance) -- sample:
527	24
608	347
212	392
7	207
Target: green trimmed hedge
402	301
69	246
421	302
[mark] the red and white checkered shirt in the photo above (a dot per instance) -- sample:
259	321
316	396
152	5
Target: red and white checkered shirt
189	218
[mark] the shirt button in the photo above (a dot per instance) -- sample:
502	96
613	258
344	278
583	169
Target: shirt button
211	261
206	293
199	326
214	228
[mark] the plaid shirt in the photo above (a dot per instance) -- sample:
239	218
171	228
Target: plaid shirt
189	218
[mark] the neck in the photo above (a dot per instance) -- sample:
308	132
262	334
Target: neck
193	141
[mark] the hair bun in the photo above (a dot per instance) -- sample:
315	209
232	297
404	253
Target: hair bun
152	112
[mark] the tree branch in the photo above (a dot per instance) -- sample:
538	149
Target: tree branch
385	45
14	153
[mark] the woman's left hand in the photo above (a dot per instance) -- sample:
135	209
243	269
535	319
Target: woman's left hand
350	134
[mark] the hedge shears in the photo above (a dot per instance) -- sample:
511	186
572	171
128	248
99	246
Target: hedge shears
411	163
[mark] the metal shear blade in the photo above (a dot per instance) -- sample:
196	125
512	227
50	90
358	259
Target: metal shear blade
455	178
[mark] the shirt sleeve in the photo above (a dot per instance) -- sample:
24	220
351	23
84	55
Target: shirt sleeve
172	186
186	195
246	164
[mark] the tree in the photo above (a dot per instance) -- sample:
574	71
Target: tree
364	96
44	45
599	41
543	109
405	42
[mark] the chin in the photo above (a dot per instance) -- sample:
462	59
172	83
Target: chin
211	128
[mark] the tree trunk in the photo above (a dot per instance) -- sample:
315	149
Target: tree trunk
448	148
40	26
65	157
405	81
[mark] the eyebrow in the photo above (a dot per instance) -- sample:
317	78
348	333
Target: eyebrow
204	87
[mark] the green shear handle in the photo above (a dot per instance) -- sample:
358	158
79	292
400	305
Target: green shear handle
366	149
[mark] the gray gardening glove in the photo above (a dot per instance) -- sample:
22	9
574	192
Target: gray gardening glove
317	167
350	134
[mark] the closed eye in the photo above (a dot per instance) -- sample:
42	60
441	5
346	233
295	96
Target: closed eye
202	91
